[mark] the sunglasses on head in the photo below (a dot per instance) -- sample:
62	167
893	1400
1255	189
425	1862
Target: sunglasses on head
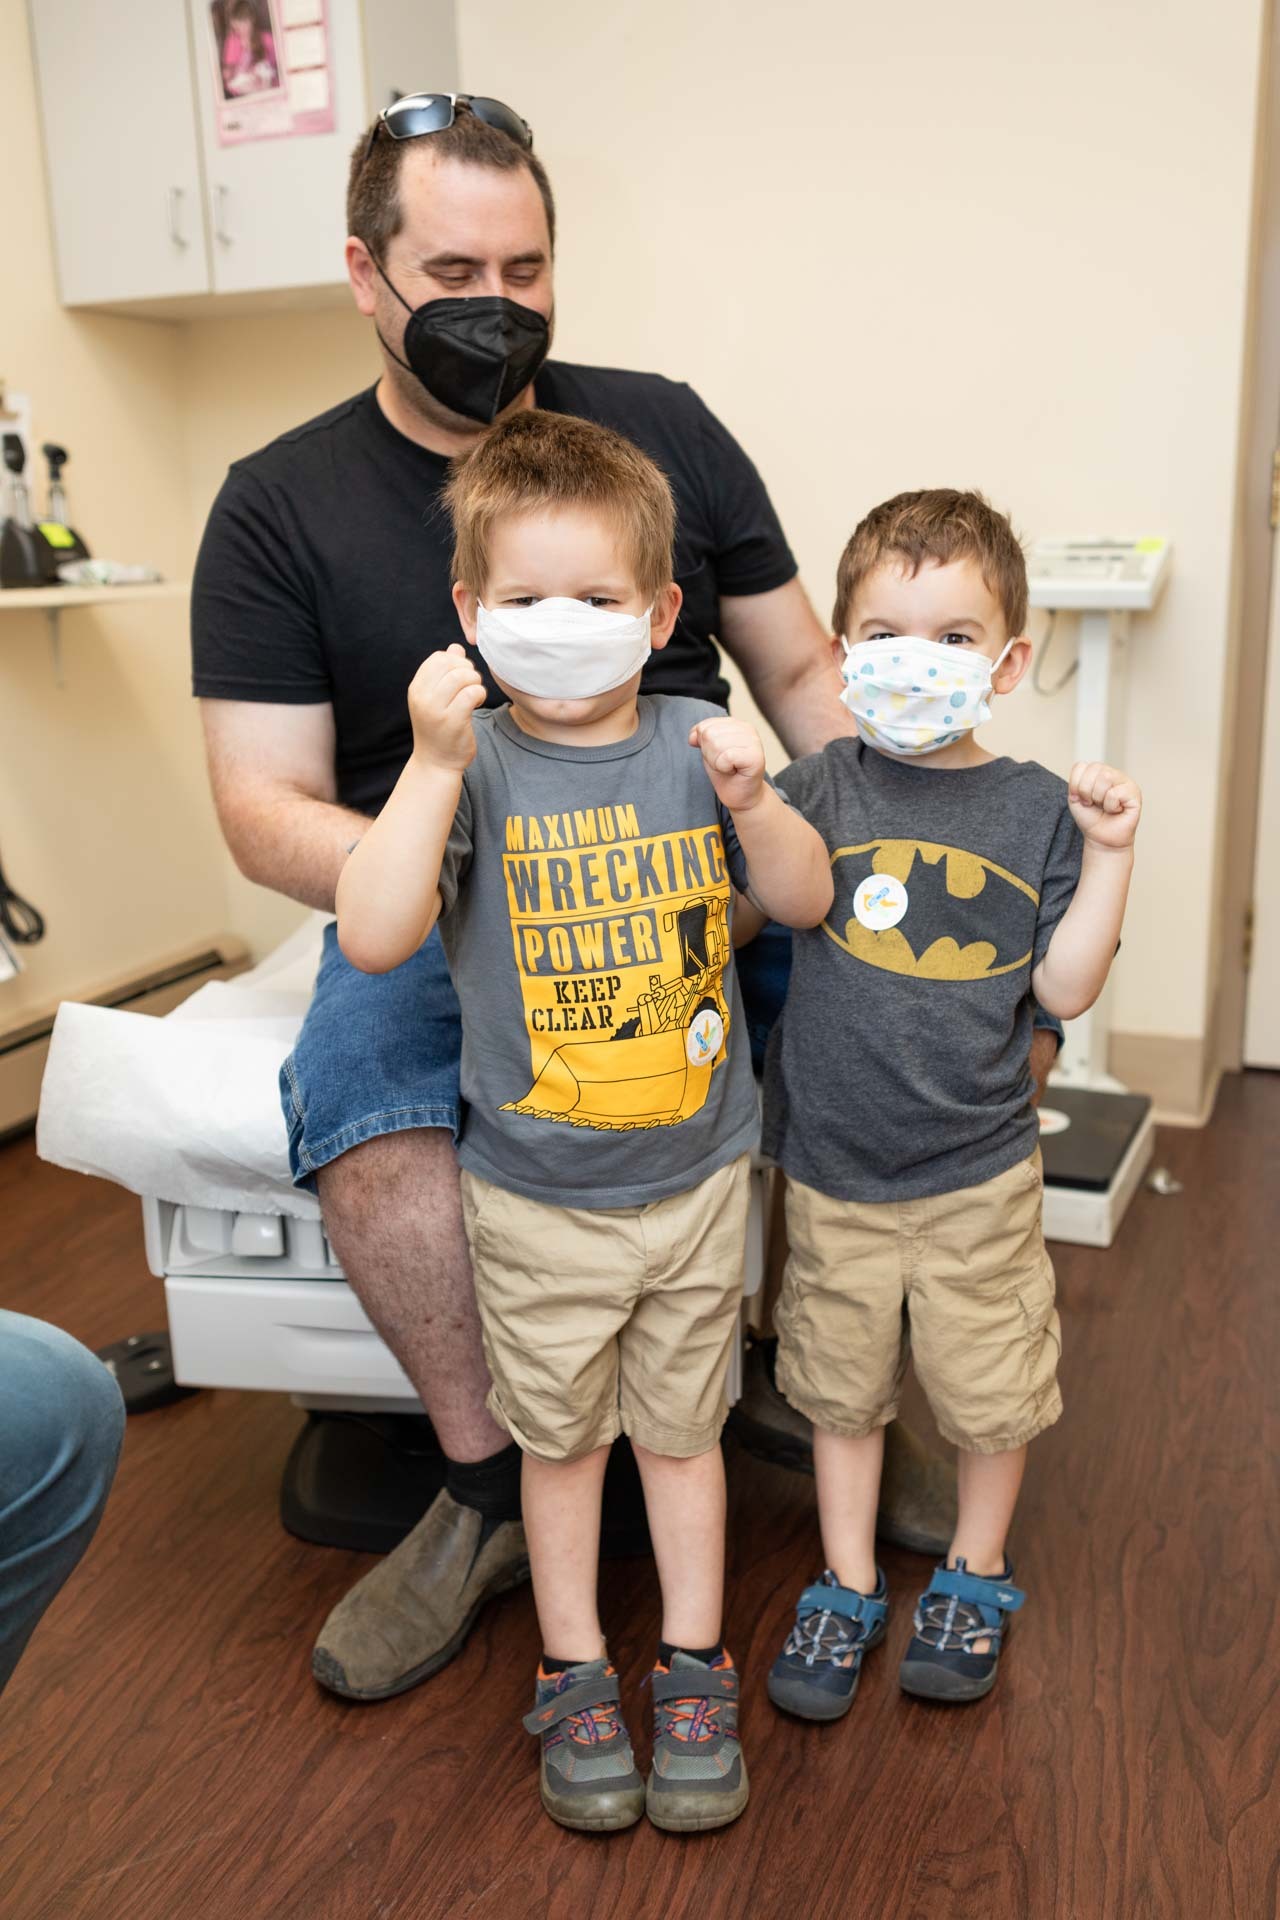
418	113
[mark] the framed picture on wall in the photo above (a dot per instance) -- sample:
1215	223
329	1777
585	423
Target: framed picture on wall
247	38
271	71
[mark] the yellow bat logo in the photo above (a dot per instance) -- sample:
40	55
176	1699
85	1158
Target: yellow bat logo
966	917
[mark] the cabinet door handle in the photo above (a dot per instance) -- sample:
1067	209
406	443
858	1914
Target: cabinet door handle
221	225
176	234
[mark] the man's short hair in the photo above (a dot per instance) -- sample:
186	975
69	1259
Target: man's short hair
374	213
940	524
537	460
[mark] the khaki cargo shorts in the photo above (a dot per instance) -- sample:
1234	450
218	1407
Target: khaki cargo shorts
605	1321
962	1281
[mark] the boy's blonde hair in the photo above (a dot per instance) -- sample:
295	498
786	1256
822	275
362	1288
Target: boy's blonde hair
937	523
537	460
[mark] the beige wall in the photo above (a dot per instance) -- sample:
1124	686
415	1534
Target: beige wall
975	252
1003	246
104	815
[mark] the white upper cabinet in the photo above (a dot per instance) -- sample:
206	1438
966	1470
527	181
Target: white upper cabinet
121	150
156	194
276	206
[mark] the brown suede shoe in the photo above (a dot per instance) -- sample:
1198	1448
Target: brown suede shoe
765	1423
407	1619
917	1495
917	1489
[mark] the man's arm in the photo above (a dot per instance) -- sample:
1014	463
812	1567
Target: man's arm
1045	1041
271	768
766	624
785	656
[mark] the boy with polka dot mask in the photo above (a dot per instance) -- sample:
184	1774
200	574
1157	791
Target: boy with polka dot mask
898	1096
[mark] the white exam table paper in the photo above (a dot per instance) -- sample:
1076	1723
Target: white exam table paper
185	1108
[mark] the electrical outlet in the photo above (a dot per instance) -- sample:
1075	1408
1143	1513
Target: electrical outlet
10	965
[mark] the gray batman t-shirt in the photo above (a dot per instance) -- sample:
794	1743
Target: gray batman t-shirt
586	891
899	1067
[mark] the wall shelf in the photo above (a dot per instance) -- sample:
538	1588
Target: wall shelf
52	602
53	599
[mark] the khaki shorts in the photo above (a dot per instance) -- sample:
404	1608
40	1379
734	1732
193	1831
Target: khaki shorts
961	1280
605	1321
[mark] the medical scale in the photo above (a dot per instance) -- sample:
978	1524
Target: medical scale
1097	1137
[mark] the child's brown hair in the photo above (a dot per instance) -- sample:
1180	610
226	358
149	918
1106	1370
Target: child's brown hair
938	524
537	460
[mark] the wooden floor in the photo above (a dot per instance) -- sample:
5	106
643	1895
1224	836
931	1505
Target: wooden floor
164	1754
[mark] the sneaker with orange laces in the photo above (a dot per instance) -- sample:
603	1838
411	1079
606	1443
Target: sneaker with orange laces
588	1777
699	1777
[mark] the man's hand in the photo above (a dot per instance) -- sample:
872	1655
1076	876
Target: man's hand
733	755
1105	804
443	695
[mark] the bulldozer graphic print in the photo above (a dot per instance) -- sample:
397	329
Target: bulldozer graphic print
621	942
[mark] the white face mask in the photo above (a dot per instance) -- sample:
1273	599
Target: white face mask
912	696
562	649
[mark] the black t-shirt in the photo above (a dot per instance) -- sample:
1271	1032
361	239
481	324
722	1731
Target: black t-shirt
324	570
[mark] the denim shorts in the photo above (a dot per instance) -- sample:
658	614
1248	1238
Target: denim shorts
379	1052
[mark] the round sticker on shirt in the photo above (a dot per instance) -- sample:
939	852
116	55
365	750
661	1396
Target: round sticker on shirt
879	902
705	1038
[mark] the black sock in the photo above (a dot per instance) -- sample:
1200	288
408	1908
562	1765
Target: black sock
770	1350
550	1666
710	1655
491	1487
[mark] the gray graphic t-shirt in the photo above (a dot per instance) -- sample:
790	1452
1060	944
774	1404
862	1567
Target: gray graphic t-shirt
899	1067
586	891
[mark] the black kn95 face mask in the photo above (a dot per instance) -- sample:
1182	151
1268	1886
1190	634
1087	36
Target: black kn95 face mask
473	356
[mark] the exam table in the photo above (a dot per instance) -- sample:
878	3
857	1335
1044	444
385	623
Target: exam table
184	1111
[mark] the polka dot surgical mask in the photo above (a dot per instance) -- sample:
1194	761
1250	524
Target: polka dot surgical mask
912	696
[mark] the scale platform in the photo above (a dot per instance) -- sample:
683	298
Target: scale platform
1096	1148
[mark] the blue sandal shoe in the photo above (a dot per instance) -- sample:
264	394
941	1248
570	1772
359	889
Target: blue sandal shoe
957	1609
816	1674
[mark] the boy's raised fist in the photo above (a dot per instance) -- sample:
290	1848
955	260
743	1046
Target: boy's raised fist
443	695
1105	804
733	755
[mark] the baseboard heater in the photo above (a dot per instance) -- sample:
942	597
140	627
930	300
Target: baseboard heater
24	1045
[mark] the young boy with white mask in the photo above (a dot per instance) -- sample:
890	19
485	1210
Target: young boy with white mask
898	1098
581	848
